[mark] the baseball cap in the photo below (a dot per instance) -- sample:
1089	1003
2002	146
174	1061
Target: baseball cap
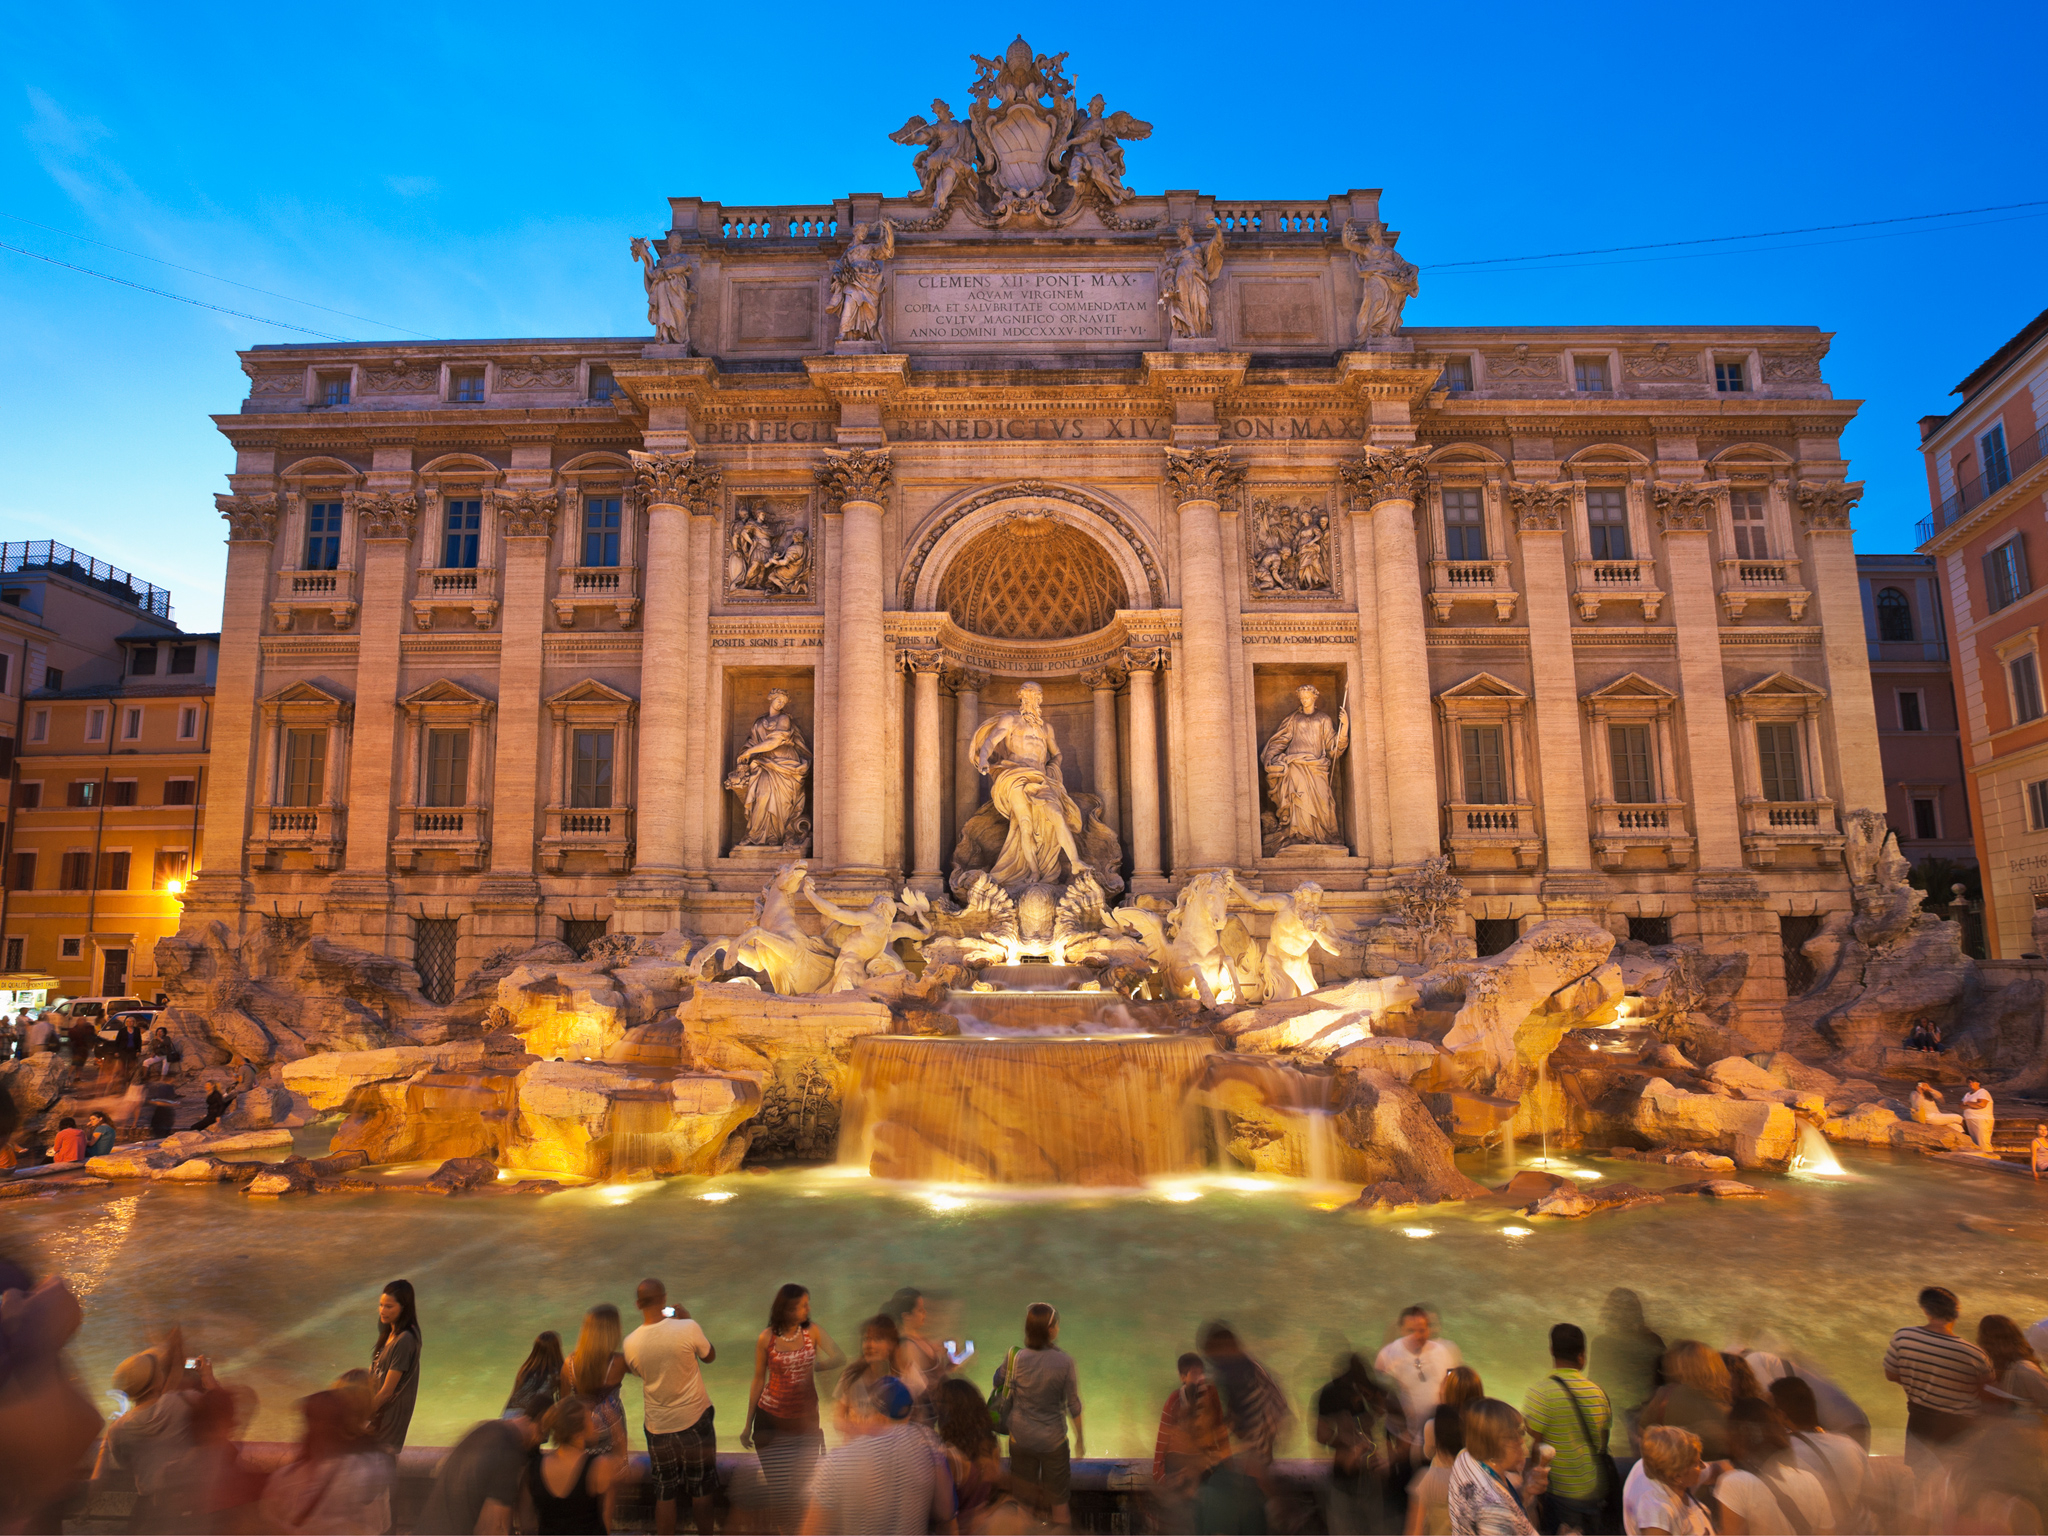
892	1398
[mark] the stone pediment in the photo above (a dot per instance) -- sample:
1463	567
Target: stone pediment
1777	687
1484	685
304	693
1630	688
589	691
444	694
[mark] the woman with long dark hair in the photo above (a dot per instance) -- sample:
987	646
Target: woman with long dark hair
339	1482
570	1483
395	1366
981	1501
781	1424
538	1381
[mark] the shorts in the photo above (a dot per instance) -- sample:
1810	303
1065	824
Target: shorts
684	1462
1052	1470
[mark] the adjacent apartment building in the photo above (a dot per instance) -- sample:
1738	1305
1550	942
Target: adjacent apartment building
1986	479
1926	800
108	712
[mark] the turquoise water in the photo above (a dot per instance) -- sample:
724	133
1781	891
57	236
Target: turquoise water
282	1294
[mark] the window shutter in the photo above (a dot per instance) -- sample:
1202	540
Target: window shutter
1993	583
2021	586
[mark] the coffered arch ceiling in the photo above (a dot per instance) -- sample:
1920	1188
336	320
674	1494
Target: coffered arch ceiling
1032	578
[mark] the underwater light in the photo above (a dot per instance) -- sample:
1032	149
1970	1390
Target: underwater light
1517	1231
1419	1231
715	1195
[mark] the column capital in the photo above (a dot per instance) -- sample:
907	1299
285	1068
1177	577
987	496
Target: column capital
250	519
1540	508
1202	474
1386	474
387	514
1826	503
1104	679
922	663
856	475
676	480
526	514
961	680
1686	506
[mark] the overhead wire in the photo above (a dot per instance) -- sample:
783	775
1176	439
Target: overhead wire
165	293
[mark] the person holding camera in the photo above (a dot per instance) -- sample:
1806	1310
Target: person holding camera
682	1442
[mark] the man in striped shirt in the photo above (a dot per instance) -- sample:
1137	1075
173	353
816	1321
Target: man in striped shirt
1941	1374
1568	1411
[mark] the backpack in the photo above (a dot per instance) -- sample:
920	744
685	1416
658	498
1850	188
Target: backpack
1003	1395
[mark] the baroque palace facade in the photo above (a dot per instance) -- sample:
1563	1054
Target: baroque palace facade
525	639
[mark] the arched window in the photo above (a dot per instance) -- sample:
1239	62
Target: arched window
1894	615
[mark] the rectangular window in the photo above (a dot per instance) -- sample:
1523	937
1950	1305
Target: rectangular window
39	725
170	865
1464	524
188	723
1457	375
1910	718
95	725
2005	573
131	724
1607	522
6	667
433	944
1486	773
468	387
323	535
142	661
601	530
114	871
447	768
1925	824
1591	374
2026	688
334	389
1746	510
184	660
1730	378
305	767
53	678
77	872
181	791
1628	750
591	778
2037	808
1991	452
71	948
602	385
15	955
121	792
82	792
25	871
463	530
1777	753
28	796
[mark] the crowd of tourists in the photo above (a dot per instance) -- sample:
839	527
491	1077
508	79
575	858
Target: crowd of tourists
1625	1431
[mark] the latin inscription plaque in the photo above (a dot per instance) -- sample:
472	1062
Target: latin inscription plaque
973	309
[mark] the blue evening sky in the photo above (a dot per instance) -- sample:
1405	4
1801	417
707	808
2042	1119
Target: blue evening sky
477	171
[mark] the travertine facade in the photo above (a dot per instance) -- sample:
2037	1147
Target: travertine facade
1591	622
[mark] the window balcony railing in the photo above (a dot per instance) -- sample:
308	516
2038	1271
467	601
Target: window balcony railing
463	830
1476	835
1452	582
1746	581
1768	825
334	591
315	829
606	830
596	586
471	589
1972	493
1621	826
1612	581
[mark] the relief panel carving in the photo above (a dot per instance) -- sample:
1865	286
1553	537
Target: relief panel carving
770	547
1288	549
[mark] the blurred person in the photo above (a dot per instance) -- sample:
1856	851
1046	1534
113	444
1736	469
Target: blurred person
1941	1375
42	1035
1429	1491
147	1440
100	1135
1979	1115
1836	1461
1657	1499
476	1490
538	1381
1416	1363
340	1482
210	1489
1352	1414
160	1099
1040	1389
922	1363
875	1363
781	1424
594	1371
80	1037
1695	1396
358	1398
676	1412
1568	1412
974	1463
569	1482
2015	1367
1189	1441
1839	1412
46	1423
69	1144
1767	1492
1461	1385
1742	1378
1254	1407
2037	1151
1493	1488
887	1479
2013	1458
395	1365
1923	1106
216	1106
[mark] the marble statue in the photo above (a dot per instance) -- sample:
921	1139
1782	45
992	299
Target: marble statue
768	775
668	290
1094	157
1388	281
857	277
1017	752
866	951
1184	279
1298	759
775	944
947	156
1299	927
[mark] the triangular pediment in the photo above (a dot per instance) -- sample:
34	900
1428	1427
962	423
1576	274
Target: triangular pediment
304	693
1781	685
1483	686
1631	686
441	691
591	691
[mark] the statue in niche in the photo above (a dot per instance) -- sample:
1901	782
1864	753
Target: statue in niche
1097	159
768	776
1184	279
1388	280
1017	752
1289	547
770	550
1298	759
948	155
857	278
668	290
1299	928
867	949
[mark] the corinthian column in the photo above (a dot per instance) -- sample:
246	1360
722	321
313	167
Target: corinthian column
1140	662
672	485
526	523
1200	478
857	483
384	522
1388	480
928	768
1102	683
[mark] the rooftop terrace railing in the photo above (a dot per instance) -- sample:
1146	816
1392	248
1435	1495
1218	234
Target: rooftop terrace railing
63	560
1981	487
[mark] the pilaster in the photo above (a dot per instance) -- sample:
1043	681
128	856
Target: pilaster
385	524
1703	690
526	527
1837	594
1560	748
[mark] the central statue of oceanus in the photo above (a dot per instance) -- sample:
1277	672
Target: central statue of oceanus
1017	752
